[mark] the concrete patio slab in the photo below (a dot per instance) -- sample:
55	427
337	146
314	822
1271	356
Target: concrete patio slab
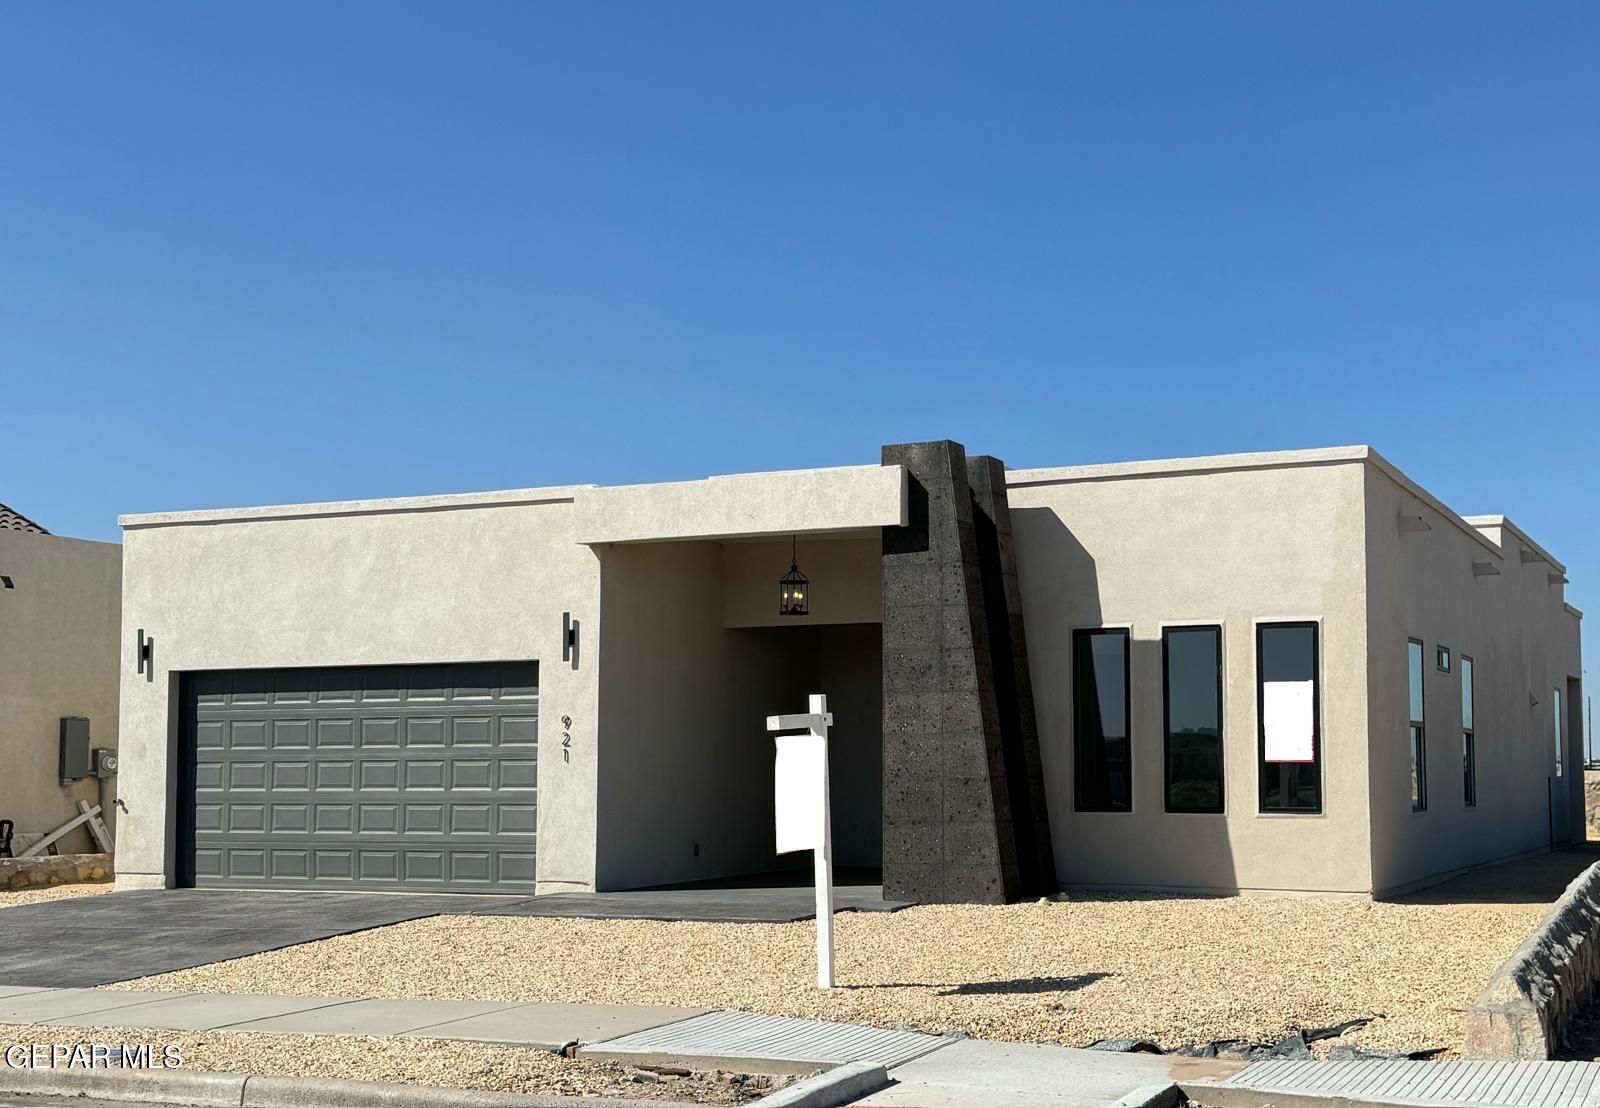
1013	1075
371	1017
202	1011
776	1044
51	1005
553	1026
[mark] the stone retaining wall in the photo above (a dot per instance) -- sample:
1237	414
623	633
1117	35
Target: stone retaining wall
1524	1010
59	869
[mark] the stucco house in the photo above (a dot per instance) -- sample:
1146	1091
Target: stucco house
1286	672
60	607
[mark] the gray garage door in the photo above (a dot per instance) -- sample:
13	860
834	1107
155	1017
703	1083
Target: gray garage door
415	778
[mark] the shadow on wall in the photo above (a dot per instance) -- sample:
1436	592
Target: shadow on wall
1149	846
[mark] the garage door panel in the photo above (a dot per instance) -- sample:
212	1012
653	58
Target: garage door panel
411	778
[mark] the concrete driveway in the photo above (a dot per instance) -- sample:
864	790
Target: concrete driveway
95	940
86	941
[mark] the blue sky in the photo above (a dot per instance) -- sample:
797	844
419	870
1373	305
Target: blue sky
297	252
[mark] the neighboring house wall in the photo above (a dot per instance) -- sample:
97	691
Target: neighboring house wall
1522	639
58	657
1179	543
437	579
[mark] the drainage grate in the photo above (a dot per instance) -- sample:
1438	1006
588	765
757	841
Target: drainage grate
744	1035
1498	1084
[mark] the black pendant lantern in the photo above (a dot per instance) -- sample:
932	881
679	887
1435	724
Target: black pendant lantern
794	588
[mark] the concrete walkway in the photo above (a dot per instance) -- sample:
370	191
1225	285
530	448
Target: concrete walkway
928	1071
545	1026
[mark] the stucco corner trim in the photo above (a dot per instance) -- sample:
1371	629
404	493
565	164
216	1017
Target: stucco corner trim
1173	467
563	494
1505	524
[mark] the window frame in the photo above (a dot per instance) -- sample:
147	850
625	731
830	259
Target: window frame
1081	635
1417	728
1558	729
1441	657
1468	669
1316	719
1166	725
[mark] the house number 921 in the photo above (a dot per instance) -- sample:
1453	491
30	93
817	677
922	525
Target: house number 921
566	738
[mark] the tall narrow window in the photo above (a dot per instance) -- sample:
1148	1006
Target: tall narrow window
1469	749
1288	706
1555	719
1419	737
1102	762
1191	661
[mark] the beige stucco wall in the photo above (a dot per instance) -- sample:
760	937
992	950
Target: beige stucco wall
1112	547
690	668
1524	643
58	657
461	579
847	573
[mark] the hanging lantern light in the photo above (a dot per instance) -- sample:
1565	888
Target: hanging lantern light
794	588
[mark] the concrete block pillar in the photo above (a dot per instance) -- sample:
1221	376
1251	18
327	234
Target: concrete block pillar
947	808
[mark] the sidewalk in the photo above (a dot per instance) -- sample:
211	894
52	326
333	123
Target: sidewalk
927	1071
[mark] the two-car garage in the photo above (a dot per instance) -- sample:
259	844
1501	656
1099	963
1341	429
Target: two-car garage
381	778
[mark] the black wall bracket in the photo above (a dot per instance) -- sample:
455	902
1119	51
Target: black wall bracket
569	639
147	656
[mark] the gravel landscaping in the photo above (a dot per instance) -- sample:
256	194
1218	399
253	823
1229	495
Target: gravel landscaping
435	1062
1174	970
19	897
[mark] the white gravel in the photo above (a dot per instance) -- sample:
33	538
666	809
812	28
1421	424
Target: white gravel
18	897
1170	969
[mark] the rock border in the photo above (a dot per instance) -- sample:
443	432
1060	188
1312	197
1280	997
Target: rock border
54	869
1524	1010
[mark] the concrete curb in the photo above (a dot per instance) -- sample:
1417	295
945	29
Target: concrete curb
1164	1095
837	1086
237	1090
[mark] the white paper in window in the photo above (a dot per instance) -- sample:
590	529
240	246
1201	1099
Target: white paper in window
799	796
1286	717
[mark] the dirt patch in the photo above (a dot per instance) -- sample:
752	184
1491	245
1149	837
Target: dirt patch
434	1062
20	897
1173	970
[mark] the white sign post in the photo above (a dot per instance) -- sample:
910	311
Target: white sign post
800	802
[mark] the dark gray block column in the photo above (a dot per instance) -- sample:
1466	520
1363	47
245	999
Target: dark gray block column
947	813
1013	681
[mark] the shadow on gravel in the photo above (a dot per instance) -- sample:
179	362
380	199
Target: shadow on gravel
1021	986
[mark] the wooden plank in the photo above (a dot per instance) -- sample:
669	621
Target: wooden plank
34	850
97	827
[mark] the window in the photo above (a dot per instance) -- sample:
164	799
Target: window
1191	665
1555	719
1469	752
1102	762
1441	658
1288	708
1419	737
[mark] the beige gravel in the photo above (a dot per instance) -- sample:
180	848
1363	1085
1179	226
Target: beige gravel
17	898
435	1062
1169	969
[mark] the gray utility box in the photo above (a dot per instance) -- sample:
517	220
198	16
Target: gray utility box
74	748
